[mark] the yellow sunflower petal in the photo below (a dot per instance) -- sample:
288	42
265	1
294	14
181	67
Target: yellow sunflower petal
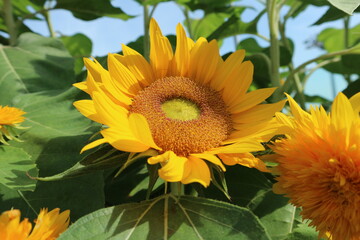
140	127
137	64
87	108
198	171
11	228
258	113
94	68
122	77
123	141
211	158
82	86
181	61
49	225
342	112
228	70
241	146
204	58
355	102
296	109
244	159
109	113
93	144
251	99
173	166
238	83
264	130
160	50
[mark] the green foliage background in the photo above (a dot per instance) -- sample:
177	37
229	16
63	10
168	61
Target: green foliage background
37	74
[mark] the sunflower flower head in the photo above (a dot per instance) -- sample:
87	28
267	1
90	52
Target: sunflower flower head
10	119
190	105
319	166
48	225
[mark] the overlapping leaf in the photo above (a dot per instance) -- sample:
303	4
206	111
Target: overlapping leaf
167	217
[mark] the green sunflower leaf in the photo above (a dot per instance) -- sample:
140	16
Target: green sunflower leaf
169	217
347	6
85	167
303	232
35	64
92	9
333	40
79	46
352	89
15	163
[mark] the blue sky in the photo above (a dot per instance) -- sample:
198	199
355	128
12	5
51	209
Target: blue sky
108	34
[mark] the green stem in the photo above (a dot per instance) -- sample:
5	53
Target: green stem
146	32
320	65
177	188
273	19
262	37
297	82
188	22
346	32
346	44
46	14
152	11
10	22
285	87
26	201
166	217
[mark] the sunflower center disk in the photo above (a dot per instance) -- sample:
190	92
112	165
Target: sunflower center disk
184	116
180	109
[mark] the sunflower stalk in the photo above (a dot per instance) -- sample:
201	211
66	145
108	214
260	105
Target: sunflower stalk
346	42
46	15
273	10
177	188
285	87
296	79
10	22
146	31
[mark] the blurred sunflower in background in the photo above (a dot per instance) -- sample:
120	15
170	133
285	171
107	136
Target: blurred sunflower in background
10	119
191	106
319	166
48	225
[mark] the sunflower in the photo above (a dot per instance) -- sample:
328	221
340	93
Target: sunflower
10	119
48	225
319	166
190	106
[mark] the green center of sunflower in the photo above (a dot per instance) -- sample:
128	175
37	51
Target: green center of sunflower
184	116
180	109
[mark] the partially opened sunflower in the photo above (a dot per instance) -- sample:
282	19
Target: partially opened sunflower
48	225
10	119
190	106
319	166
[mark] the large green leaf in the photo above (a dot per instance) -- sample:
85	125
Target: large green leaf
261	69
352	89
81	196
57	131
208	24
253	189
14	166
92	9
347	6
54	138
331	14
208	6
35	64
169	217
79	46
333	39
